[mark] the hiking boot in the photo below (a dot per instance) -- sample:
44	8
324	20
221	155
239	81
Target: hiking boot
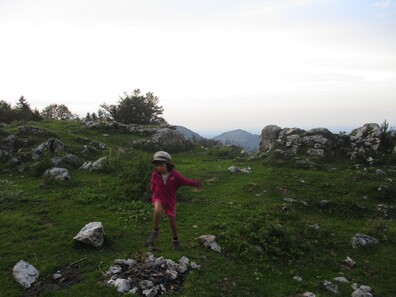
152	238
176	245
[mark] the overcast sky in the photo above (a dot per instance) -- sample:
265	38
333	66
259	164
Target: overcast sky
216	65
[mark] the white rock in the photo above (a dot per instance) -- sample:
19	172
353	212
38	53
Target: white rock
146	284
330	286
184	260
134	290
61	174
182	268
214	246
150	292
98	163
359	240
309	294
291	200
361	293
195	266
115	269
341	279
365	288
25	274
298	278
92	233
350	262
171	273
86	166
122	285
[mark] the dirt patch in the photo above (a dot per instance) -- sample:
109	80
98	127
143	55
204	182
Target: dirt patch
62	278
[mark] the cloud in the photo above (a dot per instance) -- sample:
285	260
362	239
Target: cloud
382	4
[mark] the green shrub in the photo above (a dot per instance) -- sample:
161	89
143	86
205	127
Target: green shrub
134	180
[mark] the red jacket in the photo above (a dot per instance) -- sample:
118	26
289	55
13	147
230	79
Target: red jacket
167	192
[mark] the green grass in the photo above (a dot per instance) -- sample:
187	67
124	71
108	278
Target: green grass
39	221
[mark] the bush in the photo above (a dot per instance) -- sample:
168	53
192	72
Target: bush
378	228
134	180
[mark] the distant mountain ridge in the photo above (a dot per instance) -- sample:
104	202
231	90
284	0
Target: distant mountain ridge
188	134
248	141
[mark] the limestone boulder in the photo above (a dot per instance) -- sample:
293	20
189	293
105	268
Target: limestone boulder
60	174
268	138
92	234
25	273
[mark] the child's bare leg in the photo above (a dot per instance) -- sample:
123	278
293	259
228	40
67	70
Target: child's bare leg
158	208
172	223
156	221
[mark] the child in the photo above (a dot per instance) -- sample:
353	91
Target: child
165	180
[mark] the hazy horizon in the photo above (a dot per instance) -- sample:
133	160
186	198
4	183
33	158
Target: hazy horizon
215	65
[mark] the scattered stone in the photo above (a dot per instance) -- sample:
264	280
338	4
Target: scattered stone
330	286
383	209
234	169
25	273
290	200
209	242
298	278
86	166
380	172
30	130
308	294
314	226
351	263
324	203
92	233
148	275
61	174
359	240
363	291
195	266
98	163
122	285
341	279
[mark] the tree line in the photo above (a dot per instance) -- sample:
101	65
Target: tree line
134	108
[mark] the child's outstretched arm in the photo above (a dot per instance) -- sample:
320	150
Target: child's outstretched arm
184	181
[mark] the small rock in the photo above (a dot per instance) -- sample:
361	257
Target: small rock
182	268
115	269
56	276
92	233
61	174
341	279
184	260
134	290
146	284
361	293
298	278
195	266
291	200
122	285
25	274
359	240
308	294
380	172
350	262
172	273
330	286
150	292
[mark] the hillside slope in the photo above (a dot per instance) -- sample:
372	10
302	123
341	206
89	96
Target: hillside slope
274	225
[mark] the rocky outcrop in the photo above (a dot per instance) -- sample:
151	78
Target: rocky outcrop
132	128
361	145
165	139
52	145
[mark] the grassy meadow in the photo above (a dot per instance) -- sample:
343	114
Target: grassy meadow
265	240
